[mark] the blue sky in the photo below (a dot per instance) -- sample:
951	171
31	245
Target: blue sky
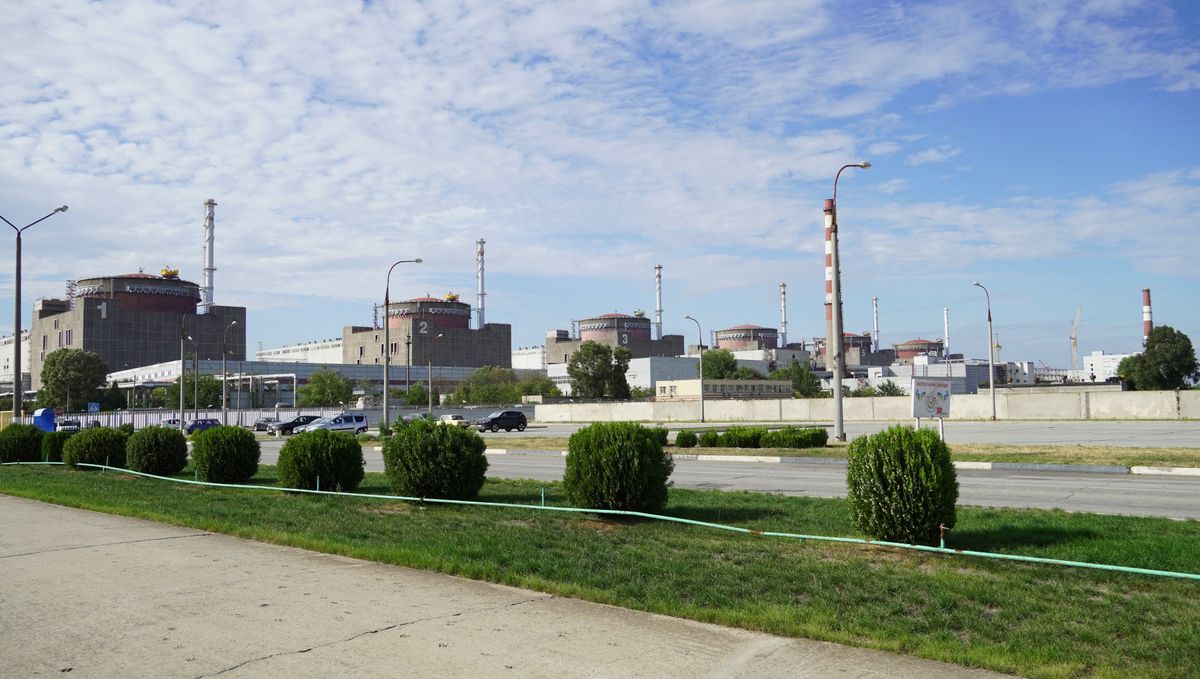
1046	148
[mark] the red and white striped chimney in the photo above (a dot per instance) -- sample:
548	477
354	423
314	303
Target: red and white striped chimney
829	339
1147	317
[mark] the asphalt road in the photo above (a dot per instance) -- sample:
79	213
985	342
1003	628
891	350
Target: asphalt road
1124	433
1169	496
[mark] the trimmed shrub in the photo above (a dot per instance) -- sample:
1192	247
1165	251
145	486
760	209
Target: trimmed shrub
742	437
901	485
425	459
617	465
21	443
225	454
52	445
126	429
685	439
795	437
161	451
95	445
334	458
709	439
662	433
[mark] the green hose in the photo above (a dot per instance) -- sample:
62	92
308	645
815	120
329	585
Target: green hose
658	517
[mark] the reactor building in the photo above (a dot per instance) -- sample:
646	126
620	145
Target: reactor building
135	319
427	330
613	330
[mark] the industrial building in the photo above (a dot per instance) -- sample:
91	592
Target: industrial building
908	350
613	330
318	351
746	337
135	320
6	363
427	329
648	371
1101	367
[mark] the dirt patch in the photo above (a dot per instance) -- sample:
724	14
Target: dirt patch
601	526
389	509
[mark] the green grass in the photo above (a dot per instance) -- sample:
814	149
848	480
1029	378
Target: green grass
1029	619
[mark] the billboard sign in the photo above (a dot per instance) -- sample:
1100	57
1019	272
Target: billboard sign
930	397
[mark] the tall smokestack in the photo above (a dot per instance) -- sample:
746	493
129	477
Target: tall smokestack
830	342
946	331
783	315
206	291
480	294
874	325
658	301
1147	317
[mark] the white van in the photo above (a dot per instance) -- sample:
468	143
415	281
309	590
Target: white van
355	423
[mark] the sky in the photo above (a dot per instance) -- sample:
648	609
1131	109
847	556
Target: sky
1049	149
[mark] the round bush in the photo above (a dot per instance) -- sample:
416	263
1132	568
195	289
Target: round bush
333	458
161	451
424	459
225	454
709	439
901	485
52	445
662	433
95	445
21	443
617	465
685	439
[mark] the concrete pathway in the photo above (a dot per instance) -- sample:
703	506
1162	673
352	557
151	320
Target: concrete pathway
85	594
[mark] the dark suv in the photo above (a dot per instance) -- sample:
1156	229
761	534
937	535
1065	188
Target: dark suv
289	426
507	420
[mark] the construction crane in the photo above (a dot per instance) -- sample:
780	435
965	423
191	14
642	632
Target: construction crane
1075	346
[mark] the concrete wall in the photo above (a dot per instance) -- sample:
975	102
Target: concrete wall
1098	405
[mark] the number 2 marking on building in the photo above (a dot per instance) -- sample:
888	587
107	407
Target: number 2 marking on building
423	327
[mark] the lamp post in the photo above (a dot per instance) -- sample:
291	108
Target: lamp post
835	353
991	344
387	341
700	339
430	394
408	363
18	385
224	373
182	372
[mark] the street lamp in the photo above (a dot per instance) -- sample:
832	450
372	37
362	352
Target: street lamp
991	344
387	340
430	394
18	385
835	353
700	336
224	374
183	337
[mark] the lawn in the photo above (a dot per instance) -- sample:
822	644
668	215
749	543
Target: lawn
1029	619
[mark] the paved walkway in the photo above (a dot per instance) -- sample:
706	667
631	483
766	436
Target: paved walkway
105	596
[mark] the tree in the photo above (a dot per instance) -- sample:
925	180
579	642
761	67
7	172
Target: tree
719	364
597	371
617	387
1168	362
538	385
890	388
208	388
804	383
74	374
326	388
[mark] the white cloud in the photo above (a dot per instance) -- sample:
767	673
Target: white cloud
937	154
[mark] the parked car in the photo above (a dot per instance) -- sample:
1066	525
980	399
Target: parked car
172	423
68	425
290	426
352	422
456	420
201	424
507	420
413	417
264	423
